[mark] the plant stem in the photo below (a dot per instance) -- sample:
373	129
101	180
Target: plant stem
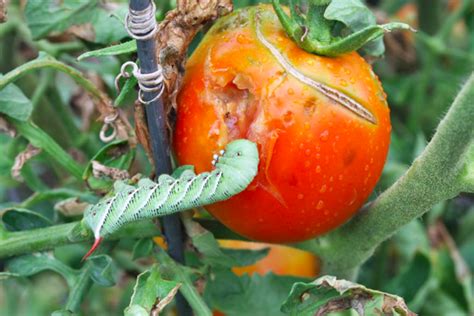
437	175
50	62
17	243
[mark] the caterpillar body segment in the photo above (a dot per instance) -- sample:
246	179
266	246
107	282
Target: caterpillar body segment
234	170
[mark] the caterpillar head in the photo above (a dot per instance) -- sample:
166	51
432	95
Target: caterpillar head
241	158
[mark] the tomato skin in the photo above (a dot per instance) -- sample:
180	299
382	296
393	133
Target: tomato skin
319	161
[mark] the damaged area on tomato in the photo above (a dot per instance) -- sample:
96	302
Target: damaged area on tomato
239	114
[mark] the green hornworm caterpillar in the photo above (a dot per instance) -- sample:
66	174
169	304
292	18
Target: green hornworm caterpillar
234	170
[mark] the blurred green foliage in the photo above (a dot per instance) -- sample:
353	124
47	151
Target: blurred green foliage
428	262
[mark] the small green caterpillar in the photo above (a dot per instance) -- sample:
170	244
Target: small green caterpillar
235	168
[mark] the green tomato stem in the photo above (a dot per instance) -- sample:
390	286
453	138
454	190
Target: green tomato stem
28	241
313	32
441	172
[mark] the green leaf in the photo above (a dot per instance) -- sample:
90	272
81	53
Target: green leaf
454	279
203	240
440	303
44	18
56	16
180	170
209	247
356	16
142	248
116	154
149	288
244	257
103	272
136	310
414	282
128	92
29	265
330	294
17	219
123	48
184	275
247	295
14	103
109	26
411	239
58	194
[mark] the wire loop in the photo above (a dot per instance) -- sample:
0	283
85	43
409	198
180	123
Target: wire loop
141	25
151	82
109	123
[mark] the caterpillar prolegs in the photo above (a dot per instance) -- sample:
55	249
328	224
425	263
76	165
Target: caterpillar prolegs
235	168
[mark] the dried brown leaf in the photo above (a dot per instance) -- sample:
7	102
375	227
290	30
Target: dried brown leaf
439	237
400	48
141	130
100	170
161	304
83	31
83	102
328	294
71	207
21	159
3	11
6	127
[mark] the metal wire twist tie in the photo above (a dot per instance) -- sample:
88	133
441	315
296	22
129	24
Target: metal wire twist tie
141	24
151	82
109	122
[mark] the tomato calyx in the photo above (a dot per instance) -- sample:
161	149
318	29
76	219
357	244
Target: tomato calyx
318	27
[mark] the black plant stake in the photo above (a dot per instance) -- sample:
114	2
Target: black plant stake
156	121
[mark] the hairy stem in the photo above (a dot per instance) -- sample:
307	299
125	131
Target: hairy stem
437	175
28	241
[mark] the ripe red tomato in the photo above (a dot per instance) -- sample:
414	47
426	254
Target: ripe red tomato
320	158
